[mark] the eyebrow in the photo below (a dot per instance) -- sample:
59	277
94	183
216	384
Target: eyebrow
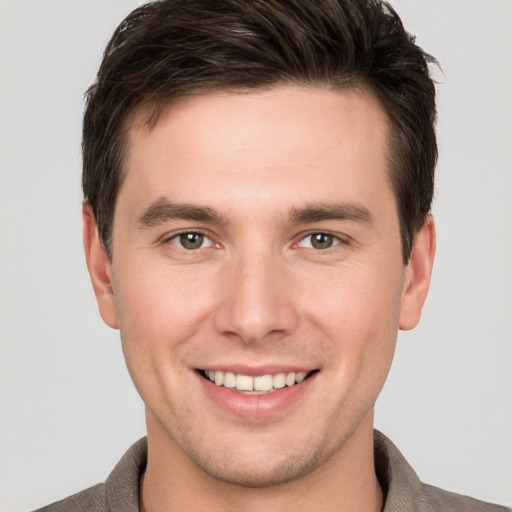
163	210
339	211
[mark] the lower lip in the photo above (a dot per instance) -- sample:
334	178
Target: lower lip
255	406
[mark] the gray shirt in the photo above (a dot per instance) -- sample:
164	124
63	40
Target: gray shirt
403	490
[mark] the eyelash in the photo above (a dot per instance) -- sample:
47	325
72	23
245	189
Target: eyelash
336	240
177	236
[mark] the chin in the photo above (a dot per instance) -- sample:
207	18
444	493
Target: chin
269	471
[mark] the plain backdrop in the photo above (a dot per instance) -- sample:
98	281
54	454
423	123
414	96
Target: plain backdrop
68	408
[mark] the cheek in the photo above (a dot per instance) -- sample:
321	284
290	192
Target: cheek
161	297
159	309
355	299
358	312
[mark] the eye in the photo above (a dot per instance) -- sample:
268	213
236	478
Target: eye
191	240
319	241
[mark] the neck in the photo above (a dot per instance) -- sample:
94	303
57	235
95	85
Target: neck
345	482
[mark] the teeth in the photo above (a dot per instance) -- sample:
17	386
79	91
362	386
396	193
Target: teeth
279	380
229	380
290	379
299	377
262	383
244	383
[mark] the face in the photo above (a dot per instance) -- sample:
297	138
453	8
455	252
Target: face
257	278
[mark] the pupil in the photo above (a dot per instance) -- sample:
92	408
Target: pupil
191	240
321	241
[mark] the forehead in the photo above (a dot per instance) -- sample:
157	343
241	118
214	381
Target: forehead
287	141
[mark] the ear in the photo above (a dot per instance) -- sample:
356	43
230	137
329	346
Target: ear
418	274
100	269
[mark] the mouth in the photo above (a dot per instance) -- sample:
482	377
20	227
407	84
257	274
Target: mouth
257	385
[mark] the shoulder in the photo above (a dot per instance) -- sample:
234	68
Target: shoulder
405	492
90	500
120	492
437	499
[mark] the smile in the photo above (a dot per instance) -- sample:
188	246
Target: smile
257	385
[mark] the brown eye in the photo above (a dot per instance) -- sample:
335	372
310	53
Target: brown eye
321	240
190	241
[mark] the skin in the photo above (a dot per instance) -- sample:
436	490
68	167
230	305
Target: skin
257	293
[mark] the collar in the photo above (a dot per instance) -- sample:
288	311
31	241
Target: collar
403	490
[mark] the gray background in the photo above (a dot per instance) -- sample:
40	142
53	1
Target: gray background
68	408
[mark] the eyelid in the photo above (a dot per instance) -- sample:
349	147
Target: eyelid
340	239
169	237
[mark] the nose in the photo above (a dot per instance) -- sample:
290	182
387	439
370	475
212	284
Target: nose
256	301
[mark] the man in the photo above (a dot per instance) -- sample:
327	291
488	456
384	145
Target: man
258	179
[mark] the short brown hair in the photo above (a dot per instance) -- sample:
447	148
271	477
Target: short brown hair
169	49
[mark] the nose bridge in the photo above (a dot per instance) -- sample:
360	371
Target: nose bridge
256	301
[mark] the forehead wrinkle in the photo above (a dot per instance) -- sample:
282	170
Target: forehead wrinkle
163	210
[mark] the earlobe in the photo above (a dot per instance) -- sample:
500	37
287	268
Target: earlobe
99	267
418	274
